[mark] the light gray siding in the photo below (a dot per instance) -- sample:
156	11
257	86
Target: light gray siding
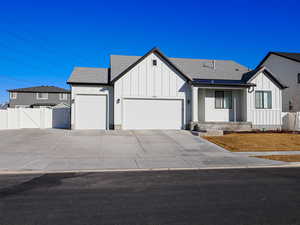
286	70
29	98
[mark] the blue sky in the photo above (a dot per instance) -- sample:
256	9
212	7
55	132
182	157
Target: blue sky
41	41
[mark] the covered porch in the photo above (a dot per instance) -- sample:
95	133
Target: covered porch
220	108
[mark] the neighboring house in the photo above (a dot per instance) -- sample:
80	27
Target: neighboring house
40	96
157	92
286	67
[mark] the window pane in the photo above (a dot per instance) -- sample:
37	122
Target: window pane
42	95
270	100
265	100
258	99
219	99
228	100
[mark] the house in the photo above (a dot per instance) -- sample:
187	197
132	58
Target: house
39	96
157	92
286	66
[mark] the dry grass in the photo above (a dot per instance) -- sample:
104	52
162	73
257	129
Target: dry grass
284	158
261	142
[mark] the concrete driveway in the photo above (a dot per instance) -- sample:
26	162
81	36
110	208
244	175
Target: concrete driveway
59	150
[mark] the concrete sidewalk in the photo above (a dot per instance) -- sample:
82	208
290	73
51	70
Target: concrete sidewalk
64	150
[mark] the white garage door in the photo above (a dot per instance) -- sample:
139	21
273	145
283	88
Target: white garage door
152	114
90	112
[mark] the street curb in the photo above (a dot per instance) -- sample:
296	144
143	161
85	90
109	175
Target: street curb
14	172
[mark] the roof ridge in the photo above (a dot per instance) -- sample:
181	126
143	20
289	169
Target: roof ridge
201	59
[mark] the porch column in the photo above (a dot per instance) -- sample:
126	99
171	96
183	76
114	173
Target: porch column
195	104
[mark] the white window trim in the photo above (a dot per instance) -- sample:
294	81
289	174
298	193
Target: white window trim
63	96
13	95
37	96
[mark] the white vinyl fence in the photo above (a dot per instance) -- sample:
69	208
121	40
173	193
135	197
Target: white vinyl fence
291	121
18	118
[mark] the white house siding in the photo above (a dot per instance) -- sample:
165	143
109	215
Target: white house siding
148	81
211	114
264	118
286	71
93	90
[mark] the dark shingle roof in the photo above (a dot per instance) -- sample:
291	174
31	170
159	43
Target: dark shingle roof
289	55
89	75
47	89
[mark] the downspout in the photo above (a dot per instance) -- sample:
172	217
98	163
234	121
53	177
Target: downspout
70	106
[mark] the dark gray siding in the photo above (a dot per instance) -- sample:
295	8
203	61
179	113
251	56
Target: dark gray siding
28	98
286	71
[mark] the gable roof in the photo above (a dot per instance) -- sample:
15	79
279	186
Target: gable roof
287	55
192	68
252	74
89	75
121	67
47	89
189	68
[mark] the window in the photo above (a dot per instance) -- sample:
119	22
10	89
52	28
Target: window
42	95
263	99
13	95
154	62
63	96
298	78
223	100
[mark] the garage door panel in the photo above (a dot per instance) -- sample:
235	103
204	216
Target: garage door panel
91	111
152	114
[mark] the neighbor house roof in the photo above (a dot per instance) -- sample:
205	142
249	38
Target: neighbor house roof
288	55
89	75
47	89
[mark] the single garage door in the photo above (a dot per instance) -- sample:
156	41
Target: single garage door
152	114
91	111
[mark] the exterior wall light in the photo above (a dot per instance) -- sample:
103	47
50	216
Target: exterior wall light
118	101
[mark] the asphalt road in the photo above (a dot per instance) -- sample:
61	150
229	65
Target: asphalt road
233	197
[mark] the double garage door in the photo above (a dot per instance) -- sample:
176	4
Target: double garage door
92	112
152	114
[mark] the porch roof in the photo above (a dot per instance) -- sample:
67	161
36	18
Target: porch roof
221	83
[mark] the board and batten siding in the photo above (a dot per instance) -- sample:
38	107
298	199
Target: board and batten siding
265	118
151	82
92	90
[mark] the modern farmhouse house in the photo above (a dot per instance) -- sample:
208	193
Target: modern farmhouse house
157	92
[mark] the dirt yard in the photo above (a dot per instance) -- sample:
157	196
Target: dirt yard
284	158
258	142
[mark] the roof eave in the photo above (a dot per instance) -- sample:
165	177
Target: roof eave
247	85
87	83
